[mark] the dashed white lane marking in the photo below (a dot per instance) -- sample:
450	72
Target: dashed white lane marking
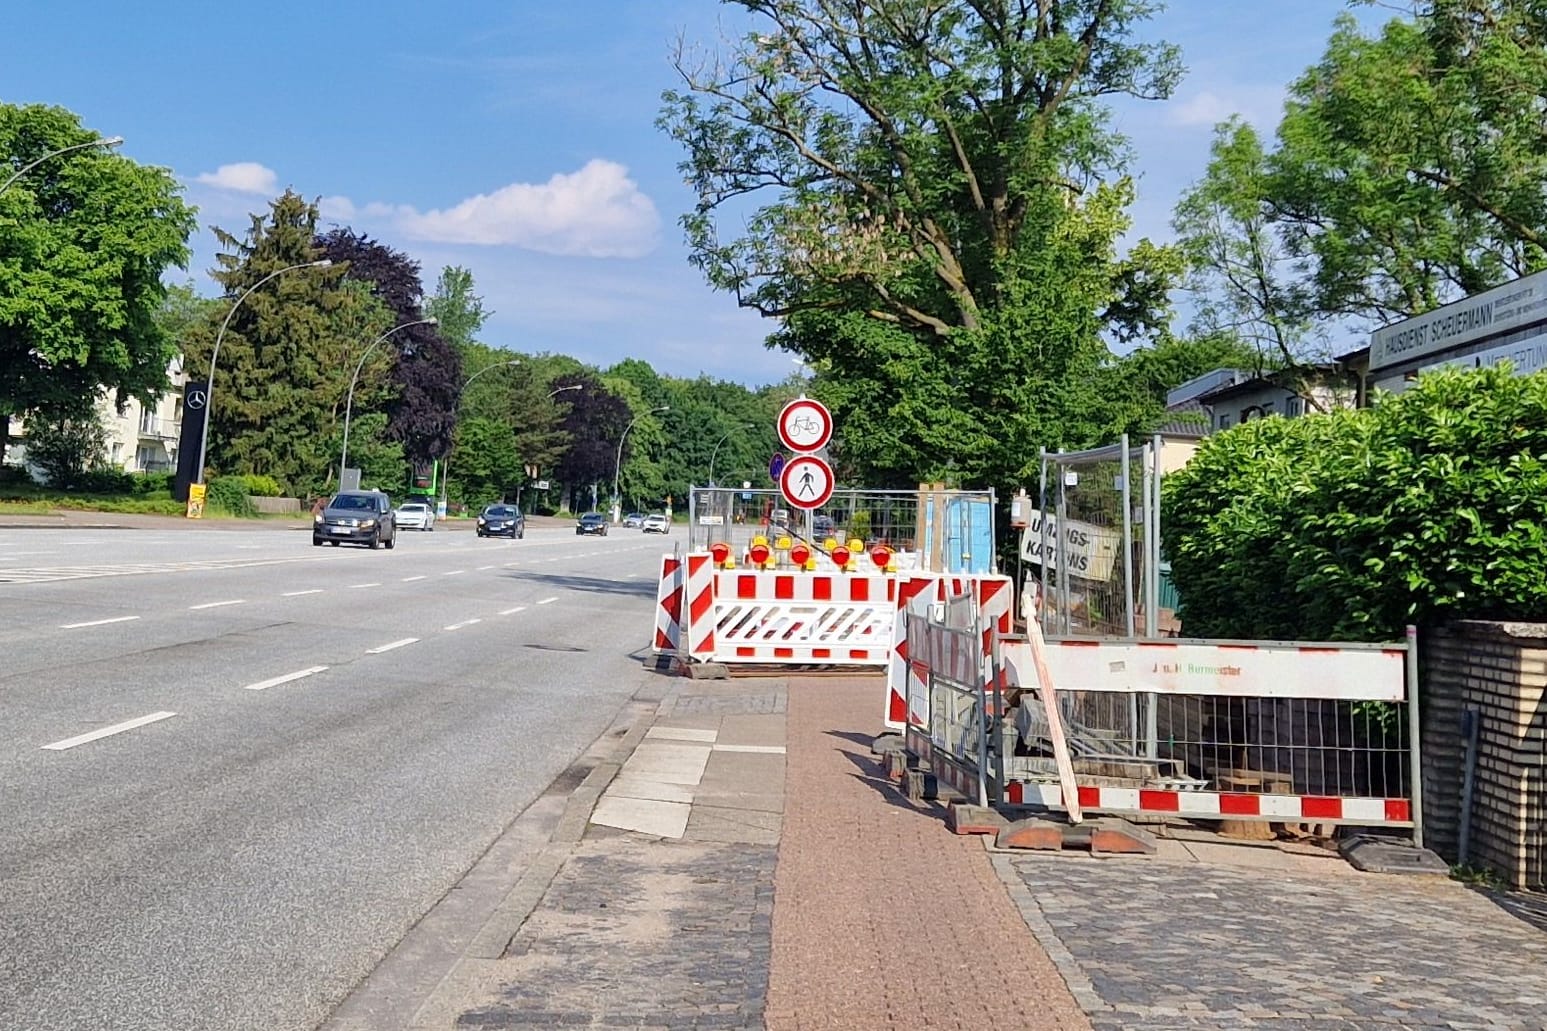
512	612
482	568
356	587
117	728
510	563
453	572
297	594
548	601
97	622
465	622
389	647
411	579
276	681
218	604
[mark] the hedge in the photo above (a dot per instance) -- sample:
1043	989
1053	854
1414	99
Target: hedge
1349	525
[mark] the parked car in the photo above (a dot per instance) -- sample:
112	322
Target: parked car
592	523
822	526
502	521
415	515
356	517
634	520
780	517
656	523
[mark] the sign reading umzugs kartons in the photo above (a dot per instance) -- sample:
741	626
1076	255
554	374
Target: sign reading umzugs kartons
1090	550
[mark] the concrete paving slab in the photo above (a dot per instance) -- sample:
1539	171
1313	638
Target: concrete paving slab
752	749
751	730
698	734
743	770
668	763
710	823
735	798
659	791
660	819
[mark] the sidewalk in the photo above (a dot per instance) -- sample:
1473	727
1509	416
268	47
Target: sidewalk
746	865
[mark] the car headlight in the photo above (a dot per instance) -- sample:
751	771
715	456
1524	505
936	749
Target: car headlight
317	518
366	524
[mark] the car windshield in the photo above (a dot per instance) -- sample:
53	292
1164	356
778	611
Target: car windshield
412	506
499	510
360	502
591	517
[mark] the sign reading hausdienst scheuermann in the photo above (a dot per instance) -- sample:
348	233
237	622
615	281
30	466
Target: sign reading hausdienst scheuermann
1488	314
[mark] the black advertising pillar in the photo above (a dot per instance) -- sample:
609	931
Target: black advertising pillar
195	402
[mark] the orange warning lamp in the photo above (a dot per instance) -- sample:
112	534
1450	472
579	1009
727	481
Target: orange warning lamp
841	556
719	551
799	554
881	555
758	553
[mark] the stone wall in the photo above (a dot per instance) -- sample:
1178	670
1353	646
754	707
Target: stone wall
1499	669
272	506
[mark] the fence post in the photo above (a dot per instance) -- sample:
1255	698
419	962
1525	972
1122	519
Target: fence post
1128	599
1414	736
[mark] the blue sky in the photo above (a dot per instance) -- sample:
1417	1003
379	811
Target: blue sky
517	138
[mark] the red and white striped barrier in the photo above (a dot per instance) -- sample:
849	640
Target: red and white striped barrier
1219	805
907	695
816	618
668	606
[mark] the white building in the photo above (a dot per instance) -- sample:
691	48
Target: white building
142	439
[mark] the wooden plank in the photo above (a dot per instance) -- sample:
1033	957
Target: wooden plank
1055	723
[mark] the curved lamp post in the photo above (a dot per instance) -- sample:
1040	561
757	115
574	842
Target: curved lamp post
343	457
445	473
102	141
716	452
209	390
617	471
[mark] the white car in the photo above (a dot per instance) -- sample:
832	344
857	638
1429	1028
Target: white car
656	523
415	515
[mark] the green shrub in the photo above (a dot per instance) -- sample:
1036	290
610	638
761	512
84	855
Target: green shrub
151	484
262	486
228	494
15	476
102	481
1347	526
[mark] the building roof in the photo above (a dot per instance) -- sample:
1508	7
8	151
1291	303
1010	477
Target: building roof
1186	419
1272	381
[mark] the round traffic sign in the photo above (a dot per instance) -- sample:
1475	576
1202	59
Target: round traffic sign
805	425
807	482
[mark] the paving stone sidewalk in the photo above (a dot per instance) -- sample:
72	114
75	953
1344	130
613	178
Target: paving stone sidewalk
1177	945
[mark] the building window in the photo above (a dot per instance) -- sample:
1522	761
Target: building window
1294	406
1224	422
147	421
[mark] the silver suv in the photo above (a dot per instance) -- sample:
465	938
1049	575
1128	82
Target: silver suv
357	517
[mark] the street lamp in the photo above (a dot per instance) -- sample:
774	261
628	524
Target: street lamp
209	389
103	141
445	472
617	471
572	386
715	453
343	456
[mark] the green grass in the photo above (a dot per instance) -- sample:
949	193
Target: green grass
1476	876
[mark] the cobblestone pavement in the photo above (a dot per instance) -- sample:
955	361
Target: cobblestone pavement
1159	945
642	933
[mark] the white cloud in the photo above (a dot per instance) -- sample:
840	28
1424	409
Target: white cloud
1258	104
596	212
341	209
243	177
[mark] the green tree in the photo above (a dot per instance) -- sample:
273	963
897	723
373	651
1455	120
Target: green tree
458	310
84	240
68	444
279	392
947	199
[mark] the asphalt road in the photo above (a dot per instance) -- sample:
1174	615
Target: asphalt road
309	747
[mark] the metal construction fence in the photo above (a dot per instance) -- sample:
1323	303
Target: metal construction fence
961	696
1095	539
941	530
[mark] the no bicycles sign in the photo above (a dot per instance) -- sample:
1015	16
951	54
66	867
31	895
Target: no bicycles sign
805	425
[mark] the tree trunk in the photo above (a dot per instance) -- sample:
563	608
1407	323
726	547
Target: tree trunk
5	436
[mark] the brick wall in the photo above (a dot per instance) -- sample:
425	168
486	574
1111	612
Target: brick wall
1499	669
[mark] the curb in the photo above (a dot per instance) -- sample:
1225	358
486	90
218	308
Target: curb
495	936
1026	903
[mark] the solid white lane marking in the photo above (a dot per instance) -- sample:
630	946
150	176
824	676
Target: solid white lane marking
297	594
465	622
453	572
275	681
97	622
389	647
512	612
218	604
356	587
117	728
548	601
411	579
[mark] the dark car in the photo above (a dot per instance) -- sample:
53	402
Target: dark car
356	517
822	526
592	523
502	521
